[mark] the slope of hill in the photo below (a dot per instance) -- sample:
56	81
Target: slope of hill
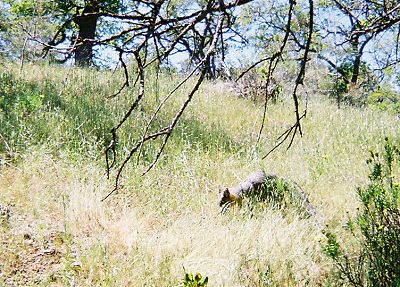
54	229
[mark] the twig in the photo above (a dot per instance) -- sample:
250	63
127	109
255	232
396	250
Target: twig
126	83
113	141
285	135
23	54
150	137
296	127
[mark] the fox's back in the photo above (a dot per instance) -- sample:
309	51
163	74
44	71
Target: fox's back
251	183
256	178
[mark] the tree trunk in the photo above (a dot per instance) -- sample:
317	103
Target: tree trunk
356	62
87	28
356	69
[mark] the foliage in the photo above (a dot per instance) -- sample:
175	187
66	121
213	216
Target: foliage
350	31
340	88
376	227
18	102
17	19
194	281
29	24
385	100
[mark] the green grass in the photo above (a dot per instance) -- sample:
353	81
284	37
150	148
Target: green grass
53	134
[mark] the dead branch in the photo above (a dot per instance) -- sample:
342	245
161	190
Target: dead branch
166	131
274	62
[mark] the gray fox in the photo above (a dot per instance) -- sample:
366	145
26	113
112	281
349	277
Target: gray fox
261	186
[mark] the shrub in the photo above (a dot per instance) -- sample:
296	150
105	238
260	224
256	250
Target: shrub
376	228
194	281
385	100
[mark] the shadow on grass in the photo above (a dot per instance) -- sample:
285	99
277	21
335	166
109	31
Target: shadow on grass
191	131
32	112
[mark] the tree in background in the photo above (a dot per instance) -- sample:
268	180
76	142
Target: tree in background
79	20
348	28
72	25
19	20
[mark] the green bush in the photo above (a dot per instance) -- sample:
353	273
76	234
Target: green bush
194	281
17	98
19	102
376	228
385	100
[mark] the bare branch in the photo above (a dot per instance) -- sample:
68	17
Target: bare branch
126	83
166	131
283	137
274	62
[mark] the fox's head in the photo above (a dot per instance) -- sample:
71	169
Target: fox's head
224	197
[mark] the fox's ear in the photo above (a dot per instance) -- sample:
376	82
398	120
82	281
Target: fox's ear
226	192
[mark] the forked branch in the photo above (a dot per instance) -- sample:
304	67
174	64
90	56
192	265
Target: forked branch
166	131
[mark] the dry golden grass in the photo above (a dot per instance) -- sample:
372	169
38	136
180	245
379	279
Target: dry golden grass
131	240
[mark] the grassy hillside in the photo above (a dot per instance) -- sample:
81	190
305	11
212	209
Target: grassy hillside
55	230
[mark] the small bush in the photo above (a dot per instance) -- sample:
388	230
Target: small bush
385	100
376	227
5	215
194	281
